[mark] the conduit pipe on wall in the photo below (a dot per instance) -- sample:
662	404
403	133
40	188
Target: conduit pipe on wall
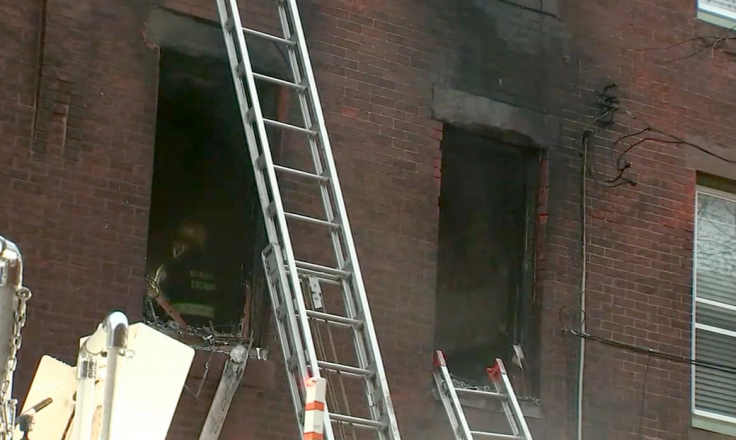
583	285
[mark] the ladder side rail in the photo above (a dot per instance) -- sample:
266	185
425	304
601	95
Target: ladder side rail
298	76
330	215
450	409
331	168
233	21
511	417
449	398
511	405
357	279
319	167
284	240
270	263
501	388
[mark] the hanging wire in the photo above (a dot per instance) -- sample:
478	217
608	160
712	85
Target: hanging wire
654	353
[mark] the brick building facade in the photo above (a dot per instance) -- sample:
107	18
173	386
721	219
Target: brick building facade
399	80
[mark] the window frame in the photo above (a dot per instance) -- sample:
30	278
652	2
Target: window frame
704	419
715	15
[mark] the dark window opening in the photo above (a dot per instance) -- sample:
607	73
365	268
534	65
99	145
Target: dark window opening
202	174
485	289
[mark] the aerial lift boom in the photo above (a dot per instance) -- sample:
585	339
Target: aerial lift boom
13	298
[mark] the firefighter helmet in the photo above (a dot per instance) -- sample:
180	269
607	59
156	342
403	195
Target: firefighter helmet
192	232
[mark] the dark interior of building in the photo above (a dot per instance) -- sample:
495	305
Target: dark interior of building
483	228
202	172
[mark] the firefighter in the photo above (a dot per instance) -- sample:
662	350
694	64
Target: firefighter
190	280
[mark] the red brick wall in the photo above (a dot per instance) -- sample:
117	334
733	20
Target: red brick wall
75	199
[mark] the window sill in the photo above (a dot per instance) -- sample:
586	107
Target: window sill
715	19
529	409
705	423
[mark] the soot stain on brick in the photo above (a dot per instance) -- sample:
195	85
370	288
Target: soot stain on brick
168	28
506	53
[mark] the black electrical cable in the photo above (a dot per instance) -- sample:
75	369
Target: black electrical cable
675	140
655	353
621	165
593	173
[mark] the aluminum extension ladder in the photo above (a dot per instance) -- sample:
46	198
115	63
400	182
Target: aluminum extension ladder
284	272
503	392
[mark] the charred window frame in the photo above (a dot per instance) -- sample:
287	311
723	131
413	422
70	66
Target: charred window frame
211	74
524	304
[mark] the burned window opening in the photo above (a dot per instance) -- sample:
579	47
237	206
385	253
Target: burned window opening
203	177
485	277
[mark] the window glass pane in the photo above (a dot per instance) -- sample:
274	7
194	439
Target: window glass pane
715	316
729	5
716	286
716	209
715	280
715	249
726	8
714	389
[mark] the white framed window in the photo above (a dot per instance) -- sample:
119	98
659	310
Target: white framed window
719	12
714	311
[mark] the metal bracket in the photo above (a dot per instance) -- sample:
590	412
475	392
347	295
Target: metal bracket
316	290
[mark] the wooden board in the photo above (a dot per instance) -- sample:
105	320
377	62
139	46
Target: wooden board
56	380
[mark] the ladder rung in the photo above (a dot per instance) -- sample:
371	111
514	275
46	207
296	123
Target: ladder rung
335	319
312	220
280	82
269	37
286	126
496	435
300	173
357	421
345	369
322	269
323	277
479	393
